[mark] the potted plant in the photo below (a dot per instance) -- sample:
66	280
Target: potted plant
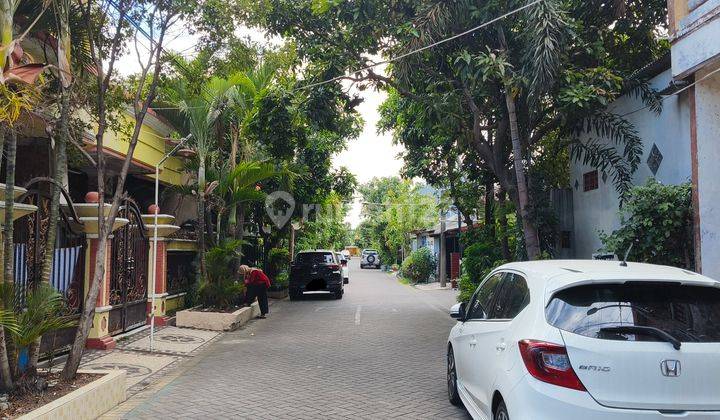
43	311
279	287
278	271
220	296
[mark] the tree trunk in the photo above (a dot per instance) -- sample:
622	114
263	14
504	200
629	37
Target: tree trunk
59	173
8	249
105	68
7	13
530	233
490	207
232	213
5	372
10	154
504	245
88	312
201	218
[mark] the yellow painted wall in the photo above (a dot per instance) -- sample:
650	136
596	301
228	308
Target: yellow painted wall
149	150
174	304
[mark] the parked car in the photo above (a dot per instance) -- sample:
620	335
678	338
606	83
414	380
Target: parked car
590	340
344	269
313	271
369	258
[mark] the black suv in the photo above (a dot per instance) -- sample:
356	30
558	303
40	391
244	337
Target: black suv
314	271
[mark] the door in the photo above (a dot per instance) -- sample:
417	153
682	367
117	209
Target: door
128	282
643	345
491	336
465	348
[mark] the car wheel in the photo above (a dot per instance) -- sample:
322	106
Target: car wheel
338	295
346	281
501	412
453	395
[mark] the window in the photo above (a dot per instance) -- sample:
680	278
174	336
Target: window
590	180
315	258
513	298
481	301
689	313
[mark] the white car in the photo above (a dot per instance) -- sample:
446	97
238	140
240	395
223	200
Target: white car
587	340
369	258
344	269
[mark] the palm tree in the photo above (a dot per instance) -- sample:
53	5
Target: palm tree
44	311
240	186
224	105
201	118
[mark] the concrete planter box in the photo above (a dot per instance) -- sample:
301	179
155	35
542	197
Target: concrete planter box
277	294
87	402
216	321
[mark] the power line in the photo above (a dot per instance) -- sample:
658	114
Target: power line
140	29
434	44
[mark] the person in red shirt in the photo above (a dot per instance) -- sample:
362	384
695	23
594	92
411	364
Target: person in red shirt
257	284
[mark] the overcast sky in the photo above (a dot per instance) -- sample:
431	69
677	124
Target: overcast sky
370	155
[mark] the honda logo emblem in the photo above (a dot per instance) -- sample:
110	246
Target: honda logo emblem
670	368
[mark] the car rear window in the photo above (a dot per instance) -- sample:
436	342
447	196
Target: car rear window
689	313
315	258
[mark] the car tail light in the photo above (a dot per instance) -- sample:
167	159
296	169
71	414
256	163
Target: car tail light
549	363
333	267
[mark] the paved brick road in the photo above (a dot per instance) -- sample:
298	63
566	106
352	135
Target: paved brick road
377	353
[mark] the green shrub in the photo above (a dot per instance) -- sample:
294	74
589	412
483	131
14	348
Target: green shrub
278	261
221	260
657	221
223	295
419	266
220	290
281	281
480	256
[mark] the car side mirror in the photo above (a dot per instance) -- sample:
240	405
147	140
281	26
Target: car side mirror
457	311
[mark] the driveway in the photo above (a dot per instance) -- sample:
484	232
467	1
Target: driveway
377	353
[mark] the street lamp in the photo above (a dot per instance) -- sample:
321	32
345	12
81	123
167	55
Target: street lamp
156	210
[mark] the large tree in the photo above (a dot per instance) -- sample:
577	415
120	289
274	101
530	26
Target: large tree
495	93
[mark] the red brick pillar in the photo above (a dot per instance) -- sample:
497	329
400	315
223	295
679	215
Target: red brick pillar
160	267
99	336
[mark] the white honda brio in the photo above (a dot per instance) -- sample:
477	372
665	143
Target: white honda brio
587	340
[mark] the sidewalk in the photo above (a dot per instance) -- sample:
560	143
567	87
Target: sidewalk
433	286
172	345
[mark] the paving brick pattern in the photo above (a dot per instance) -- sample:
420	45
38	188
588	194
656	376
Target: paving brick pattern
378	353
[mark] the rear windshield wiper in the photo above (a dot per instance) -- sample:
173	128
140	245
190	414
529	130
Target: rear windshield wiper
636	329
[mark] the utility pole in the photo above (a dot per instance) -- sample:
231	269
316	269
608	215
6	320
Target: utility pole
442	258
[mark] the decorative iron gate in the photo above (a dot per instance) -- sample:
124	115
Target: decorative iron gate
181	271
67	274
129	270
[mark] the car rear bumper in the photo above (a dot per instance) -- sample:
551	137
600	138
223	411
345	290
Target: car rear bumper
535	400
333	285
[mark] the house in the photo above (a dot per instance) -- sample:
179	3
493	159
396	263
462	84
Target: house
666	157
694	33
432	238
124	302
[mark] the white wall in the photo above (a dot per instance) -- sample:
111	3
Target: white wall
597	210
707	106
696	42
